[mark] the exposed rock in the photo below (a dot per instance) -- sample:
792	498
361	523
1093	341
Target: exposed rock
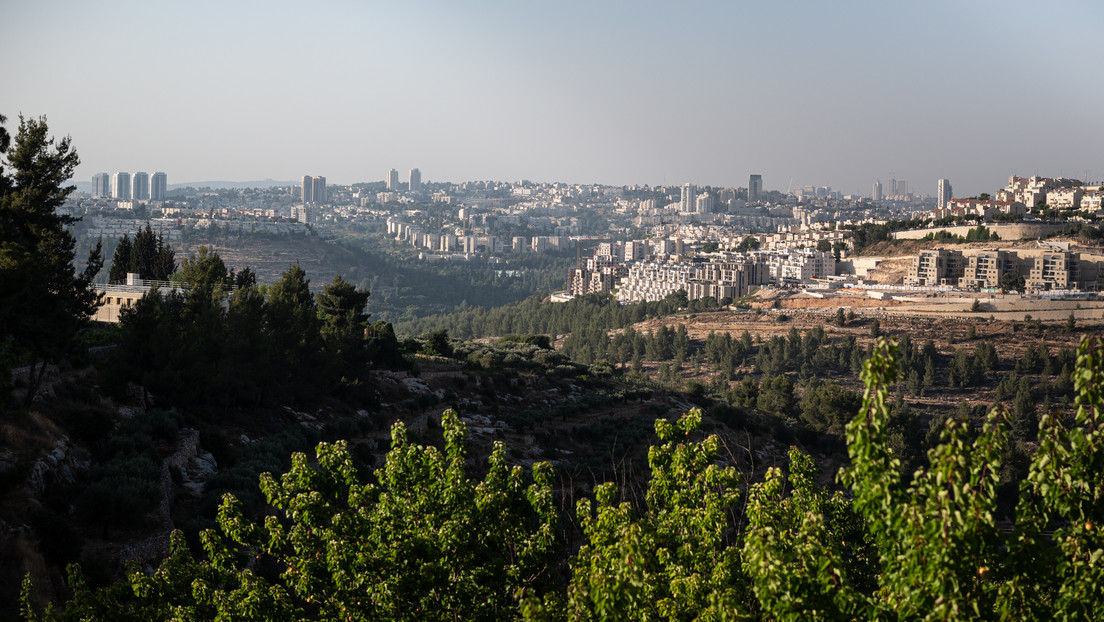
192	467
416	385
59	466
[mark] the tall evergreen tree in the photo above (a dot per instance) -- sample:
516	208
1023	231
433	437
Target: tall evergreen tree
43	303
146	255
294	334
344	321
120	261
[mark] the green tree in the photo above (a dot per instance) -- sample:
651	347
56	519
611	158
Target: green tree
120	260
341	307
423	542
244	277
776	395
829	407
1011	281
808	554
204	271
294	336
437	344
420	541
675	560
43	303
1025	421
146	255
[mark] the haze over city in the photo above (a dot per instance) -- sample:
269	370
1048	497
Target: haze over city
837	94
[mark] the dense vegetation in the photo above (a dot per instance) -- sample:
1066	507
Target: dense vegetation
43	304
405	288
192	348
146	255
591	314
422	540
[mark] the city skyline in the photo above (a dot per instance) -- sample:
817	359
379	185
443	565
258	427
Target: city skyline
810	94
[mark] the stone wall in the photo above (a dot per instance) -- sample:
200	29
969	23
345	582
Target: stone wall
1015	231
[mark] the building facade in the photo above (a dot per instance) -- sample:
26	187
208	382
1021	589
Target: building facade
987	268
141	186
159	187
1054	271
936	267
120	186
943	194
686	204
101	185
306	191
415	180
755	187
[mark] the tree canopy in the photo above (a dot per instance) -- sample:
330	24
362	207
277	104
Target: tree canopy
43	301
422	540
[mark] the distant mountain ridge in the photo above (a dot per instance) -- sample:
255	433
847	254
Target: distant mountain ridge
86	186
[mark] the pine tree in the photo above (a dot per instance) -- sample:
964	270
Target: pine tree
120	261
344	321
43	303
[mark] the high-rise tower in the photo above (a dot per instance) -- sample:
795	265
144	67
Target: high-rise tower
159	187
755	187
393	180
876	193
101	185
307	191
686	205
120	186
943	195
415	180
318	189
141	186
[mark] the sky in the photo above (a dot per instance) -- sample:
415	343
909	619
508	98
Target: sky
837	94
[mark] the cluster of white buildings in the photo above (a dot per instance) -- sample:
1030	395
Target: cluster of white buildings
115	228
651	270
655	280
125	187
1051	267
1021	195
459	242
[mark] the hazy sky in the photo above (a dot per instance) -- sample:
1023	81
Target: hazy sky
832	93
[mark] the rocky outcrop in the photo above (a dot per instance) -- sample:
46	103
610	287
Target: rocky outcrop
59	466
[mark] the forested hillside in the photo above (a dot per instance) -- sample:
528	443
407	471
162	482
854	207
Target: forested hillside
422	539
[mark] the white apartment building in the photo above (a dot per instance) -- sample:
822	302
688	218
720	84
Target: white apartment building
1033	191
1092	201
101	185
704	204
1065	198
689	195
943	194
120	186
159	187
798	265
652	281
141	186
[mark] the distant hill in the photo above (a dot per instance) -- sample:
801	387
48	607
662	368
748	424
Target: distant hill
86	186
